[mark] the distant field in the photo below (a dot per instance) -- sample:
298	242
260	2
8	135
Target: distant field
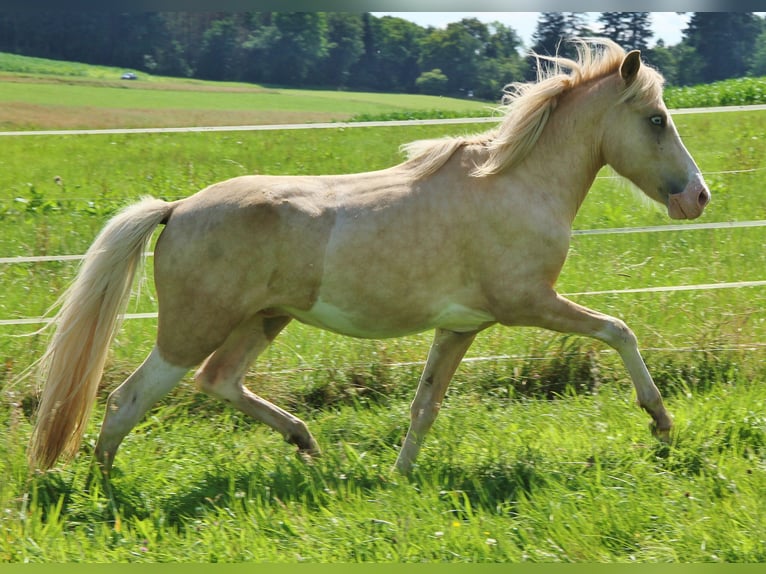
45	94
539	454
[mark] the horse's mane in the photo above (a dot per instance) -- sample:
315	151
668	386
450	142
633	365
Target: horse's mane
527	106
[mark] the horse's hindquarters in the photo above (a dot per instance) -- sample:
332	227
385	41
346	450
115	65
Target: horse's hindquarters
227	255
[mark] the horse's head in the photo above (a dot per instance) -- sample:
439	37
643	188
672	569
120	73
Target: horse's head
642	144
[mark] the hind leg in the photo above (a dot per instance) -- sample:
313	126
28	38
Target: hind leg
129	402
223	373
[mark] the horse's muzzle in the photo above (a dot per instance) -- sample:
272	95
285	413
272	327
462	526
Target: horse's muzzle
691	202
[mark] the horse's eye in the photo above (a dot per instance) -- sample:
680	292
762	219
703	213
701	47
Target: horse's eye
658	121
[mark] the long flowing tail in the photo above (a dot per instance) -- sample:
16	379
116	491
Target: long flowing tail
88	318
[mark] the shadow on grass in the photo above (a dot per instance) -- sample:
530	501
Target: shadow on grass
311	485
494	485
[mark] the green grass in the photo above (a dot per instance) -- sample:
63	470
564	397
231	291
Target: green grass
541	457
39	94
135	95
27	65
545	492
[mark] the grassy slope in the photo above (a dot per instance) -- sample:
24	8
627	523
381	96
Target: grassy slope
506	474
39	94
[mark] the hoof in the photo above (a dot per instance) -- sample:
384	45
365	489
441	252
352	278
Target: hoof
662	434
308	456
308	452
307	445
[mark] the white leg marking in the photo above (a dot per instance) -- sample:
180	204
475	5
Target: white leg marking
129	402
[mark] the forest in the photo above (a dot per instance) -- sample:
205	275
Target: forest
359	51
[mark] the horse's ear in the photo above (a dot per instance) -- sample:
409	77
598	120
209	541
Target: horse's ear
630	66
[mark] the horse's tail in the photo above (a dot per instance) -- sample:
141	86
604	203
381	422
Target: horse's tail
90	313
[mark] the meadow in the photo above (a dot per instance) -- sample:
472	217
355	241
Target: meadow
36	93
539	454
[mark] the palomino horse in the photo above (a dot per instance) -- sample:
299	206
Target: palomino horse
466	233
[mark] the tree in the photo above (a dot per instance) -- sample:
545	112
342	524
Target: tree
725	42
394	44
299	46
433	83
257	48
457	51
344	47
664	60
186	30
502	63
503	43
758	59
363	73
632	30
219	51
551	31
689	65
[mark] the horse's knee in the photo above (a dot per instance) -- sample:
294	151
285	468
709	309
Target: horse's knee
122	407
618	335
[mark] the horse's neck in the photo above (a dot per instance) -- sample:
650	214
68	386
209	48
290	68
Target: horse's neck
568	154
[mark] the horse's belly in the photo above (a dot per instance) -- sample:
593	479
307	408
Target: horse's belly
461	319
387	323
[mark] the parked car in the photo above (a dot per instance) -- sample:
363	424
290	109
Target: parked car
129	76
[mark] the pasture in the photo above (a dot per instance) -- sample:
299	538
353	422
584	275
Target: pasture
539	454
36	93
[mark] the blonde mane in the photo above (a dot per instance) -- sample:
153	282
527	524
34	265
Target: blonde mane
527	106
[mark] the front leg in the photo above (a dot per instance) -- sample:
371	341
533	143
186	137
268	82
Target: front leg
559	314
444	357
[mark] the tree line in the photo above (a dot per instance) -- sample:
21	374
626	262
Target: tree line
359	51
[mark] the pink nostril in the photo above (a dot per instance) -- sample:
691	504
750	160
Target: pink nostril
704	198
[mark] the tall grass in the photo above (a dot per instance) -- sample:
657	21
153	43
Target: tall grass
574	479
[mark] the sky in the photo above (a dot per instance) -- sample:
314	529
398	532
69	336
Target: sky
668	26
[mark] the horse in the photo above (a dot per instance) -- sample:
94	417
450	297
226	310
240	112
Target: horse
465	233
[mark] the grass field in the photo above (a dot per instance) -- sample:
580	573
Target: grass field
540	453
44	94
